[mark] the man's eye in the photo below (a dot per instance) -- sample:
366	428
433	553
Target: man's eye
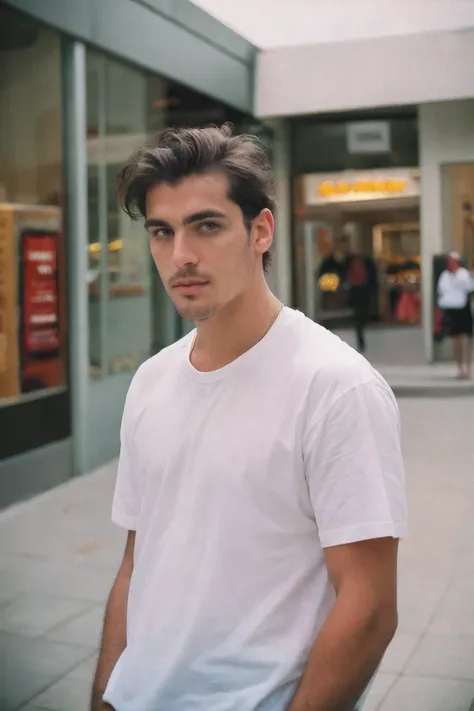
207	227
161	233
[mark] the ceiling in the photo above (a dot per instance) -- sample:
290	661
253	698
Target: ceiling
281	23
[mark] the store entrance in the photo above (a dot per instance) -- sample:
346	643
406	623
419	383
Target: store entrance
387	235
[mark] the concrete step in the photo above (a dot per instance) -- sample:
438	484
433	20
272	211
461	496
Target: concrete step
426	381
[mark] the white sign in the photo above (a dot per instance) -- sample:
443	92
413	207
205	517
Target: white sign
368	137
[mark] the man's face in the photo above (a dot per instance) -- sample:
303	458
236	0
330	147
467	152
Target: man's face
343	246
205	254
453	264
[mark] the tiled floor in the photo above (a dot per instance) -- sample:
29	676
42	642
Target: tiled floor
59	554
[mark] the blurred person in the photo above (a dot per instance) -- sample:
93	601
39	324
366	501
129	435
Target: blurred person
260	475
360	276
455	287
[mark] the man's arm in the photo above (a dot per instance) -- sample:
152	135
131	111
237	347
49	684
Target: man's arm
114	636
358	630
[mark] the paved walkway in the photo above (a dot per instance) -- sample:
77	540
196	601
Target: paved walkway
59	554
398	354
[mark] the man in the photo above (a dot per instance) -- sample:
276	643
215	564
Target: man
360	276
260	475
455	286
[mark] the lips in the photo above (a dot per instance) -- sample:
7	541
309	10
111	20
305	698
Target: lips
189	287
189	283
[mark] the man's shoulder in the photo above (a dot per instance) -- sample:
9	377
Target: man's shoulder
328	364
159	365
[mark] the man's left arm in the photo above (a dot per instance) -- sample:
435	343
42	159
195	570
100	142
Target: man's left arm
354	469
357	631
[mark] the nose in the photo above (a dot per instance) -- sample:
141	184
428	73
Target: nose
183	253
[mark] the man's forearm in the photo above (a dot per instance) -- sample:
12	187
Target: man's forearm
114	639
344	658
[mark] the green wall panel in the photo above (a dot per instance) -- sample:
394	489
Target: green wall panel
171	37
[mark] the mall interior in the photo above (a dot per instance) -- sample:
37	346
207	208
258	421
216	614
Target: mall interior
83	85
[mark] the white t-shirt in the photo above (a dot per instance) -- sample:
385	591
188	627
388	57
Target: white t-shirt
235	481
454	289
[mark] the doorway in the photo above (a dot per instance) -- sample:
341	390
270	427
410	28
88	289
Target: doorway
387	234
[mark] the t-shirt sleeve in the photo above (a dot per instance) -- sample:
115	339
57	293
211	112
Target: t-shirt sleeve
467	281
354	467
126	502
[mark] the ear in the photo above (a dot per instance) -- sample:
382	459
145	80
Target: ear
262	228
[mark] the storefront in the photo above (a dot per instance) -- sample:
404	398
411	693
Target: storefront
447	166
80	304
35	402
356	189
371	213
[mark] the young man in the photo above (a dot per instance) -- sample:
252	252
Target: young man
455	287
260	475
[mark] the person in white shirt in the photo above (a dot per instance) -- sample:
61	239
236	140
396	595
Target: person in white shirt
455	287
260	478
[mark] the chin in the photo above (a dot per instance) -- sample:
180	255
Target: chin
193	312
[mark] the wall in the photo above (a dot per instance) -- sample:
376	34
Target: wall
35	471
356	74
171	37
303	22
279	277
446	136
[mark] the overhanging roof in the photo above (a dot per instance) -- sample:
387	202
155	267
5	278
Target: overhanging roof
336	55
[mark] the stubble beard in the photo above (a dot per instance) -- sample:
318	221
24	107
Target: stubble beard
196	313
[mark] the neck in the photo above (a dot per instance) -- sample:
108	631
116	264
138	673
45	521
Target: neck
234	329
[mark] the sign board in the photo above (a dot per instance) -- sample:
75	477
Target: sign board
368	137
40	292
357	186
32	303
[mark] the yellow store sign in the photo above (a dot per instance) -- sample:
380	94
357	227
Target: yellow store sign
356	186
342	187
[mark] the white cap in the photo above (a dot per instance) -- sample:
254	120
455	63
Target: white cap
455	255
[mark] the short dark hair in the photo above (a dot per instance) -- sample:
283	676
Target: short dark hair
181	152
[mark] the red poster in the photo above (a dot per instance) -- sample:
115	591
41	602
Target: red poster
40	293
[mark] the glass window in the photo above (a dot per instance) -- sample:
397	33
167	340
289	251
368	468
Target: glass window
32	264
119	261
130	315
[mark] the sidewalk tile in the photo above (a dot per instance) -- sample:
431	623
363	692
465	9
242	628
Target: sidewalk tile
455	614
443	656
34	614
66	695
428	694
86	629
85	670
65	579
399	652
415	610
36	533
30	665
379	689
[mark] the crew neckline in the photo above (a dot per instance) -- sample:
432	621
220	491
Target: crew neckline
226	370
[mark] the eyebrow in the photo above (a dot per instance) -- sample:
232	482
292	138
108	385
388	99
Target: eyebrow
189	220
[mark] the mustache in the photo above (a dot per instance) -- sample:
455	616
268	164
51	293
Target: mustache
188	272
